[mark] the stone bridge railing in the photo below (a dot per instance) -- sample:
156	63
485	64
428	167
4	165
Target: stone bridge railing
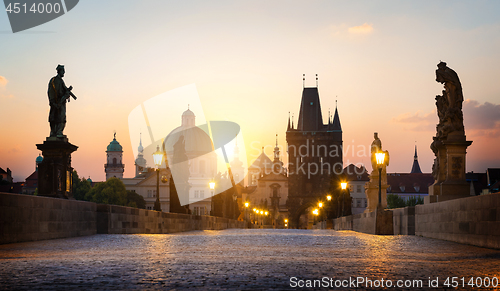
31	218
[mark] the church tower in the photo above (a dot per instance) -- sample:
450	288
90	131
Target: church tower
415	169
314	155
140	162
114	166
277	163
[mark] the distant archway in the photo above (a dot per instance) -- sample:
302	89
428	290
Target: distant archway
295	217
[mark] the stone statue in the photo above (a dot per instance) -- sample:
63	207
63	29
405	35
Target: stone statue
449	145
449	105
371	188
375	148
58	94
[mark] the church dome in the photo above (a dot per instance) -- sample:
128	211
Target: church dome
114	146
188	113
39	159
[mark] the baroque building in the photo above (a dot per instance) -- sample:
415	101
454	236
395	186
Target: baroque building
268	186
114	166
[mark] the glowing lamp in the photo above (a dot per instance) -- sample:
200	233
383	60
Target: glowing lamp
380	157
158	157
343	185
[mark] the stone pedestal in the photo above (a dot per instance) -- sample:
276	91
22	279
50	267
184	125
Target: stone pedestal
384	222
54	172
449	169
371	190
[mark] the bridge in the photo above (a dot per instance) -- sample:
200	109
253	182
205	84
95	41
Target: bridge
106	247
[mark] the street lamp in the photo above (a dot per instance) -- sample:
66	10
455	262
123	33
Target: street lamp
211	184
329	198
380	157
157	157
246	208
343	185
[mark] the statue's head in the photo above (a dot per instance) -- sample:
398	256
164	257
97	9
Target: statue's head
60	70
375	135
442	65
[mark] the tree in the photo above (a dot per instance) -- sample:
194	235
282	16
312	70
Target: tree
135	200
412	201
80	186
394	201
110	192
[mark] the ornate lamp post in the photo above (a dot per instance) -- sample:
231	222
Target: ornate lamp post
380	157
212	188
320	205
246	208
343	185
315	212
286	222
157	157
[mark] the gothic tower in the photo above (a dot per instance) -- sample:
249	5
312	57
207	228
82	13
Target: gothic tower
314	155
114	166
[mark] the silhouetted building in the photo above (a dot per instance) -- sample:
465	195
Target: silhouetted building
6	176
314	155
31	183
407	185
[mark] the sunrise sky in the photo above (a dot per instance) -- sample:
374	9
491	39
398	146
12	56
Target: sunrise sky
246	60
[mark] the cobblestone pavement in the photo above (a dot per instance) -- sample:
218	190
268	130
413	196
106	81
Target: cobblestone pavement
237	260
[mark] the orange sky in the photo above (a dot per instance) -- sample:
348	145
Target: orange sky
247	60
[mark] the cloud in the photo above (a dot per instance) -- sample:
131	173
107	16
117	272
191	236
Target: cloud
3	81
479	119
482	119
361	29
418	121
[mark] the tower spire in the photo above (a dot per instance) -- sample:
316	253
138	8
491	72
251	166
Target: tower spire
288	128
303	80
415	169
316	80
336	119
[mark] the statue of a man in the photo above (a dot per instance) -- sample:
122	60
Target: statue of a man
376	147
58	94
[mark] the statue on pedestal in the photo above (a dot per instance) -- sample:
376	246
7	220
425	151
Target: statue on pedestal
55	171
58	94
449	145
372	187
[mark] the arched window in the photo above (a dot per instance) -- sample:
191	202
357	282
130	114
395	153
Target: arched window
114	161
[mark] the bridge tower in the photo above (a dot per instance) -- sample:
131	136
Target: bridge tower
314	155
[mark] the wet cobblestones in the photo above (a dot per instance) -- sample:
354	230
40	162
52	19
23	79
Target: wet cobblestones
234	260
